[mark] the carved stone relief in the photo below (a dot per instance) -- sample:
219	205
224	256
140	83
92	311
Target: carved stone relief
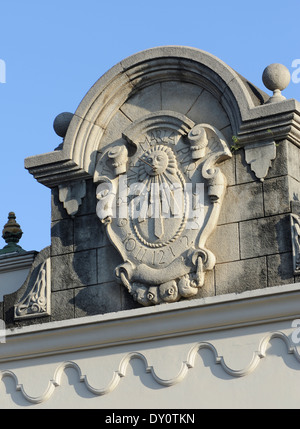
36	301
71	196
295	231
159	194
260	156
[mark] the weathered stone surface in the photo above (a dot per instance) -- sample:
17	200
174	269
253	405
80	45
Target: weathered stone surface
62	236
242	202
89	233
207	109
228	168
239	276
179	96
145	101
280	269
107	260
265	236
88	202
292	159
224	243
113	131
98	299
73	270
57	209
209	287
278	194
62	304
279	166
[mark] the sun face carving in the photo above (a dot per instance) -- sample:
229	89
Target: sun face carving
158	161
158	197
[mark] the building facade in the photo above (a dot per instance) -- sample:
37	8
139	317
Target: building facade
171	280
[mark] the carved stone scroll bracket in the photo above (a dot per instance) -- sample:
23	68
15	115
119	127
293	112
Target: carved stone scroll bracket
260	156
295	233
71	196
37	300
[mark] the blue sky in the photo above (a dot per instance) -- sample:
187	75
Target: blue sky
54	51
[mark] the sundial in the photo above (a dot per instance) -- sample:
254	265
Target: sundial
159	194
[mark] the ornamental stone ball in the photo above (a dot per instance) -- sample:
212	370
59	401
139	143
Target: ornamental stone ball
276	78
61	123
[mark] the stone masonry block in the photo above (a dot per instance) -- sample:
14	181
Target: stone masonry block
224	243
239	276
279	165
293	159
98	299
208	109
89	233
280	269
145	101
120	121
242	202
62	305
57	209
228	169
73	270
62	236
179	96
265	236
208	288
89	202
108	258
278	194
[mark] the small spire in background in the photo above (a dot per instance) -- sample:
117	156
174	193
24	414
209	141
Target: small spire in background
12	234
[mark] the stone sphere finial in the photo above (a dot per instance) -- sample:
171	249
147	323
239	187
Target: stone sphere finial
61	123
276	78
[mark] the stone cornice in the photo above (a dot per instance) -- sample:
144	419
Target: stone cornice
17	261
197	316
277	121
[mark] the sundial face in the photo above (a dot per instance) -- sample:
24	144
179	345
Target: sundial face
158	212
158	208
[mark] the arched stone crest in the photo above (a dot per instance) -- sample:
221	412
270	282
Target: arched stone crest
78	155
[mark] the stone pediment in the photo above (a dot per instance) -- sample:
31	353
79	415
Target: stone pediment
157	184
242	103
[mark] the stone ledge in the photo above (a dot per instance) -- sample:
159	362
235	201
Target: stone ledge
18	261
279	303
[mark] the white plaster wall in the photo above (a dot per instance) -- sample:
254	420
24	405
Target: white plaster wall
251	363
12	281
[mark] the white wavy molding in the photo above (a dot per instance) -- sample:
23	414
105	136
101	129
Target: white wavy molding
185	367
